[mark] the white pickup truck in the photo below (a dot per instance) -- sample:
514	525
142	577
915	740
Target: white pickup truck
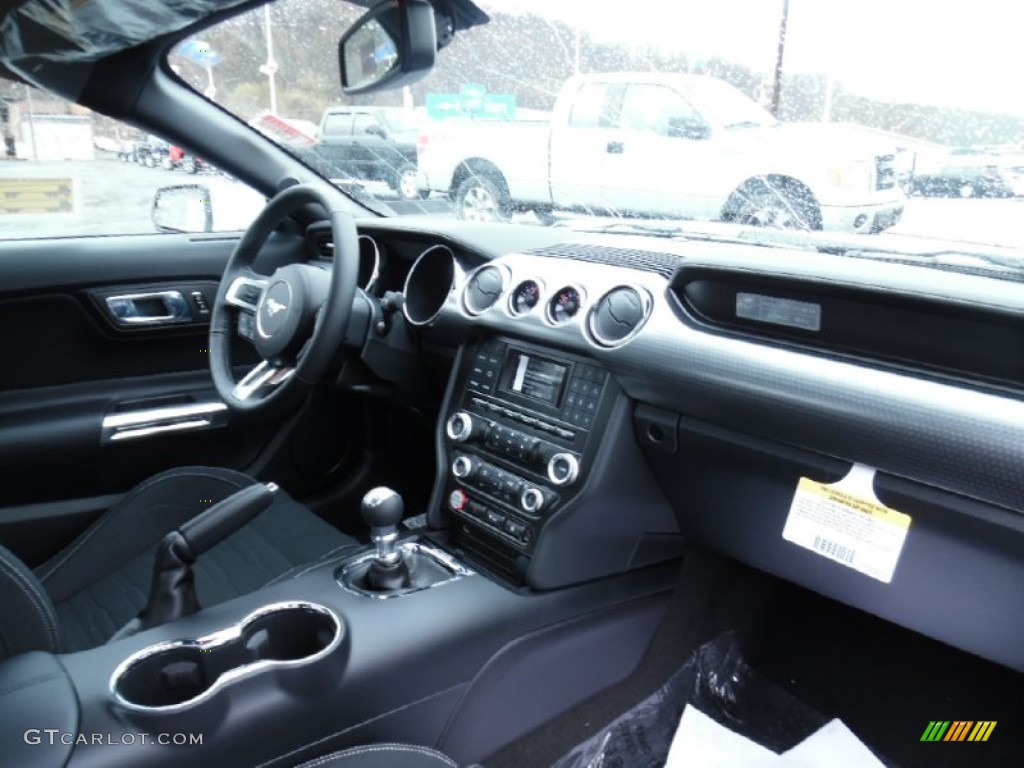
666	145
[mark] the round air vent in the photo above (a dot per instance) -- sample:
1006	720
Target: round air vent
618	315
483	289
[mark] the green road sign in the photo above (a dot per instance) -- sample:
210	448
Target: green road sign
471	101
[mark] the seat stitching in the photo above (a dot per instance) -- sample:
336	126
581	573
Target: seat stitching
255	531
355	751
133	588
41	603
115	511
101	612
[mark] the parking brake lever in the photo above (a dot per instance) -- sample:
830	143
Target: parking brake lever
172	593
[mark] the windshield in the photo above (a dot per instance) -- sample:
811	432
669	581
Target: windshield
888	122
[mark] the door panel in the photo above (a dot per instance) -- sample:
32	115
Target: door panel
71	363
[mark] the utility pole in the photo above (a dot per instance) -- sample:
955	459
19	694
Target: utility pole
31	122
270	68
777	88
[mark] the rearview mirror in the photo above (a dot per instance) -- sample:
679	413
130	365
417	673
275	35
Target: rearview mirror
392	45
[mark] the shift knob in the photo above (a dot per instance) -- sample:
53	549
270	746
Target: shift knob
382	508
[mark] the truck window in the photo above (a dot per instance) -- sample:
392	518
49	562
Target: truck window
337	124
656	108
364	124
589	109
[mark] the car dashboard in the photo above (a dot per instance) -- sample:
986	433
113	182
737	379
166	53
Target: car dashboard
611	398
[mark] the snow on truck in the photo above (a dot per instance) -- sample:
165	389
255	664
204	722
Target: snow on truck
666	145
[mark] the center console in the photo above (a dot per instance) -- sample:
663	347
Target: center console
524	431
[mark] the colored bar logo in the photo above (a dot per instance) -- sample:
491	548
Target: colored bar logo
958	730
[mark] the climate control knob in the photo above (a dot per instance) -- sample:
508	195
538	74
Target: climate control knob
563	469
531	500
463	467
460	427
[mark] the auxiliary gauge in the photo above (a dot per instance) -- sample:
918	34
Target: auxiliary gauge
564	305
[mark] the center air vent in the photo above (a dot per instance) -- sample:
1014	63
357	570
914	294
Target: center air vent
484	289
618	315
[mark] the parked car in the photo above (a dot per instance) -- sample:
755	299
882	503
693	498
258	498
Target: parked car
372	144
966	175
183	160
669	145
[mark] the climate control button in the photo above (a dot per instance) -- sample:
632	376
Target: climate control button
463	467
461	427
531	500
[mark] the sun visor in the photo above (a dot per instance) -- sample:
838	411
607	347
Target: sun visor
87	30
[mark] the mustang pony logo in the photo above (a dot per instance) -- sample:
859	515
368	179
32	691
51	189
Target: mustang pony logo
274	306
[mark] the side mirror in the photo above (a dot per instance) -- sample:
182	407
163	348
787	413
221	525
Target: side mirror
183	208
392	45
223	205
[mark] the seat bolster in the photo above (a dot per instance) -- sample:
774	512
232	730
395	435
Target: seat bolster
135	523
28	621
383	756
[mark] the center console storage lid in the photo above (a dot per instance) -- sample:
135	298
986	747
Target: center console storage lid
36	694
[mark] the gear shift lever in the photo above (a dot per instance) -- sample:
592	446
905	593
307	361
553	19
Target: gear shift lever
382	509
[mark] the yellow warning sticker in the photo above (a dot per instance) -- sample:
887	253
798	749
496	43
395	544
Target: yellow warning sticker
846	523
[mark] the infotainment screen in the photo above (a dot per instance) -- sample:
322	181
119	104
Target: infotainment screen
534	377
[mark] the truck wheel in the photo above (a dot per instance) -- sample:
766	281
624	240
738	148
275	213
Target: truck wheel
780	205
480	198
188	164
407	183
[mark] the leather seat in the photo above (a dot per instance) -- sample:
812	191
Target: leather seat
101	581
384	756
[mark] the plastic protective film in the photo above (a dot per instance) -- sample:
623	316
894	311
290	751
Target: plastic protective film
718	682
86	30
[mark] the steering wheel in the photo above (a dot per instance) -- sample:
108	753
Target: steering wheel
295	318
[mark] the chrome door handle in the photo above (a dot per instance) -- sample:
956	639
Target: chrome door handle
127	310
146	422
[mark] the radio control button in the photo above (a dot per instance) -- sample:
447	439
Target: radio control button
457	500
563	469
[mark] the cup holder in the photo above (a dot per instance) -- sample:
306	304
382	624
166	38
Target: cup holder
180	674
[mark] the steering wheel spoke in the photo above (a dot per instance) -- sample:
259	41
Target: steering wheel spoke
261	380
246	290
